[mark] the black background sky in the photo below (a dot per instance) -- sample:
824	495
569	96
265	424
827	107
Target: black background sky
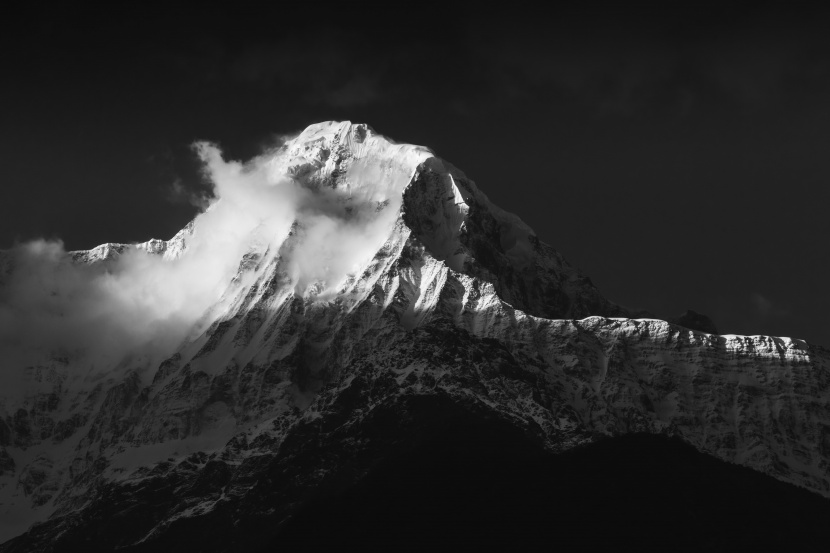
678	155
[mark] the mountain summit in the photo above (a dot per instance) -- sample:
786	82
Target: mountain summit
342	301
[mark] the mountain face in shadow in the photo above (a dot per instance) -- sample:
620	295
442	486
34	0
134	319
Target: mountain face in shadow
456	479
488	489
388	360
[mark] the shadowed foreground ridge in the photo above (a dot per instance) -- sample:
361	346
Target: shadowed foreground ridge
463	383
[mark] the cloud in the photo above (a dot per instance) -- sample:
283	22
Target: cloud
763	306
134	310
360	90
659	64
178	193
330	71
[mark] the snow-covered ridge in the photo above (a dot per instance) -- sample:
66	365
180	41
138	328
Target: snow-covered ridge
386	258
362	172
168	249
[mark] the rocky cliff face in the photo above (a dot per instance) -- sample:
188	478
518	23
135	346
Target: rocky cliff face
290	385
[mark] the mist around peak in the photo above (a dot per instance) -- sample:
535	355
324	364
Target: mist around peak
102	311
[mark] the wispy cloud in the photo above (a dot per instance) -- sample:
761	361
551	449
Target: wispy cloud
762	305
765	308
326	71
177	193
104	312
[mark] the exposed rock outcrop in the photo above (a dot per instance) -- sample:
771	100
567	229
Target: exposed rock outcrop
299	386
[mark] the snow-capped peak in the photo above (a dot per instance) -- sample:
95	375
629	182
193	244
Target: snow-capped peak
331	276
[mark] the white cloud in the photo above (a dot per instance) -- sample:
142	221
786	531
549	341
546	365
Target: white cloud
143	303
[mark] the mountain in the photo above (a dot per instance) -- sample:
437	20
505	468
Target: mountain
396	344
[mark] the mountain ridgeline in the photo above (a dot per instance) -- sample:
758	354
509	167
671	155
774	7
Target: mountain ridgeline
396	362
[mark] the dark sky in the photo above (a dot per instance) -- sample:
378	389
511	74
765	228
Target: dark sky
678	155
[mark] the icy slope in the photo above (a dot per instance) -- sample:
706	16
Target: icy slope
395	279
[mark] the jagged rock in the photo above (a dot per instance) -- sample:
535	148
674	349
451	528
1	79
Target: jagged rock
5	434
695	321
460	318
7	464
22	427
39	480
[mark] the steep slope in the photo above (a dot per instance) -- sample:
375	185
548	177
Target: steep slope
476	486
304	375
